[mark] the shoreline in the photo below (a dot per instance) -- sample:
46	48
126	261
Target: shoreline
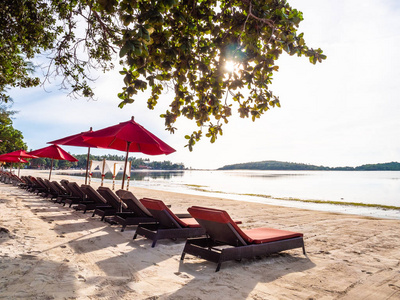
54	252
357	208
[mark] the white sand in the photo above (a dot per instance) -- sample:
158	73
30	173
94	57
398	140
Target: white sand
54	252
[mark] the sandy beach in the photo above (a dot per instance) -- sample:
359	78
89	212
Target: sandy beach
53	252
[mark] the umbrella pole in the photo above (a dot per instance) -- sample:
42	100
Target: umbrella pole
51	168
126	162
87	165
102	172
129	175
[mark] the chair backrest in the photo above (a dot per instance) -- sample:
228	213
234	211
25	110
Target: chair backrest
35	183
162	213
59	188
92	194
65	185
76	190
41	183
50	185
219	226
111	198
133	203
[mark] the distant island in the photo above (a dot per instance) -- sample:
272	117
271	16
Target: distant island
280	165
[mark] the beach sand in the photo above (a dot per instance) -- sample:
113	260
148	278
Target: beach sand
55	252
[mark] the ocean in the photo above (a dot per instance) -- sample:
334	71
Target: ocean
302	189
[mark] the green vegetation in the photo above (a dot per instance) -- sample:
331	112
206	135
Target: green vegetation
177	45
278	165
137	163
11	138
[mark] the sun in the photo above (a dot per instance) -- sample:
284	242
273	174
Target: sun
230	66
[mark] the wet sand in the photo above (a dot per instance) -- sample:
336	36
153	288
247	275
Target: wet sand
48	251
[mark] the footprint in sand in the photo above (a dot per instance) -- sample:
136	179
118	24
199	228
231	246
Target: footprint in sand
81	278
182	275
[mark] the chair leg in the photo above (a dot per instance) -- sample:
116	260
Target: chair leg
183	256
218	267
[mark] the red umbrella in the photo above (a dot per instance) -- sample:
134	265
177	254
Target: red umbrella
19	154
77	140
130	137
53	152
12	159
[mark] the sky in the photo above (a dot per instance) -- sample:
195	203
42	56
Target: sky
342	112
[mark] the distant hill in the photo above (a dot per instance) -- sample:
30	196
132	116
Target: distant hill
280	165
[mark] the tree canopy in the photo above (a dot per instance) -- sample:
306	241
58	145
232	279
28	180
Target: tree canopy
183	46
11	139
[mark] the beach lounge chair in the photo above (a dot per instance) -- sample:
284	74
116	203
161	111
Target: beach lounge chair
226	241
58	188
43	191
98	202
26	183
140	212
77	195
112	206
52	190
32	184
168	226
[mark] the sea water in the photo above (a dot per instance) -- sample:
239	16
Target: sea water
277	187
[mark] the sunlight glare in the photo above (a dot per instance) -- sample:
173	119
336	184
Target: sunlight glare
230	66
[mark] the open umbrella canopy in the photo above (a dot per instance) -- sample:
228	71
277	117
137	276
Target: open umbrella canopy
12	159
74	140
53	152
78	141
20	154
130	137
118	136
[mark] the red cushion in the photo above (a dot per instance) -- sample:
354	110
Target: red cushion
154	204
265	235
209	214
190	222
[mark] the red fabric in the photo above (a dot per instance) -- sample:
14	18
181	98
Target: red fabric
118	136
20	154
265	235
54	152
209	214
159	205
74	140
12	159
251	236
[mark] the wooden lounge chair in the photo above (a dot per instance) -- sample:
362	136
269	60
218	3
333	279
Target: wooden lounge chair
168	225
61	192
98	202
77	195
140	212
43	189
52	190
115	204
226	241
